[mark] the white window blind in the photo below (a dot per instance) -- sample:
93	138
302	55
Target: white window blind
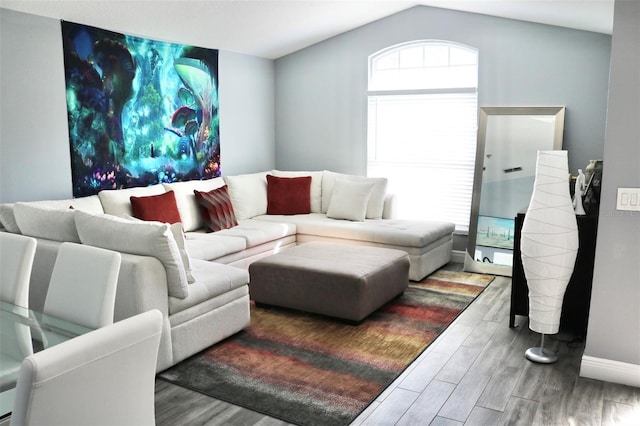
424	139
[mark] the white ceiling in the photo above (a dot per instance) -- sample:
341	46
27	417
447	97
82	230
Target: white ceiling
274	28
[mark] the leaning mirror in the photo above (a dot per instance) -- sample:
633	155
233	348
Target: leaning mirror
508	141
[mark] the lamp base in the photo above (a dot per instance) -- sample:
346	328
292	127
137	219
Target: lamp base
541	355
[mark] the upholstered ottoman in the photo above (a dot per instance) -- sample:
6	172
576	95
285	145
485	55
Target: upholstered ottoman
336	280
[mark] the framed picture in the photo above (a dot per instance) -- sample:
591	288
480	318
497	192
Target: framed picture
140	111
495	232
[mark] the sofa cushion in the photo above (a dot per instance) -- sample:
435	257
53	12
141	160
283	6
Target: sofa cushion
186	200
46	222
178	235
212	280
389	232
375	205
160	208
288	195
89	204
316	186
8	219
136	237
216	209
248	194
349	200
212	245
117	202
256	232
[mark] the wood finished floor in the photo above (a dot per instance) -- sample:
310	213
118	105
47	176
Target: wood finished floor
475	373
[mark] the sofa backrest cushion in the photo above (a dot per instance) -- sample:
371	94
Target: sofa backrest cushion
117	202
178	235
216	209
316	186
89	204
137	237
248	194
375	205
186	200
45	222
349	200
161	207
288	195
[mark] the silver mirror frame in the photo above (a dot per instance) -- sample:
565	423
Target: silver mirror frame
470	264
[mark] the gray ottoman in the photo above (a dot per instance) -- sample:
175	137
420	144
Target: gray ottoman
341	281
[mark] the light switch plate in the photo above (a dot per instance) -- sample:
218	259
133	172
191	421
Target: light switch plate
628	199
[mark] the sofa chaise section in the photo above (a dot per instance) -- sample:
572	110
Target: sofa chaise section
428	243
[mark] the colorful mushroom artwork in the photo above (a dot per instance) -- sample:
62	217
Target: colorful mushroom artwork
140	111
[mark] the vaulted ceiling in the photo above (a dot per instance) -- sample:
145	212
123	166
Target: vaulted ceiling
274	28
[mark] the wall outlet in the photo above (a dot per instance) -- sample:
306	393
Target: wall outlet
628	199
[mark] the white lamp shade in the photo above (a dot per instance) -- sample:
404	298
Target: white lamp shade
549	241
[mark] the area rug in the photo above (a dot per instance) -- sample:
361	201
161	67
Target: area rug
313	370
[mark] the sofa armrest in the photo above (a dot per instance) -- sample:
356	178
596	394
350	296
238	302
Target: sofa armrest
389	208
142	286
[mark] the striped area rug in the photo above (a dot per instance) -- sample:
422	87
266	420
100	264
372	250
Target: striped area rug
312	370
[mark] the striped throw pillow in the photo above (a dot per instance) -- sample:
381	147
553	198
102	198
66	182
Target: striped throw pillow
216	209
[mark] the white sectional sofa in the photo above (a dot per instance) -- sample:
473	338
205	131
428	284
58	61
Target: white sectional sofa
199	279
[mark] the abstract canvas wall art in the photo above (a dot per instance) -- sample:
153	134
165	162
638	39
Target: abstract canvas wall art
140	111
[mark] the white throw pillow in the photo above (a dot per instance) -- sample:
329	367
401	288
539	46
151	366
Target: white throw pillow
117	202
186	200
45	222
349	200
316	186
7	218
142	238
375	206
248	194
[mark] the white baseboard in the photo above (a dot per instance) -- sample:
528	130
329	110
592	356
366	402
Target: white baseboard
457	256
610	371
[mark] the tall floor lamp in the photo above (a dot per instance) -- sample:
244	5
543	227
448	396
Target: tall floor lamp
549	245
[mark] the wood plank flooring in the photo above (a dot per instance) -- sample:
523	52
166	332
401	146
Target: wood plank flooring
475	373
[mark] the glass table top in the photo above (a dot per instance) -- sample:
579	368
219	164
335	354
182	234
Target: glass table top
23	332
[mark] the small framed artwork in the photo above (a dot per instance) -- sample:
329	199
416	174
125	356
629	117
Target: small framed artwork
495	232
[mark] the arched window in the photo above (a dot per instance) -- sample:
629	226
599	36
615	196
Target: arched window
422	127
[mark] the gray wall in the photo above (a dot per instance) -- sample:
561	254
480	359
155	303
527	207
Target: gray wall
614	319
34	143
321	90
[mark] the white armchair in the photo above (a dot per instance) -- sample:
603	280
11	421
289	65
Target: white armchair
105	377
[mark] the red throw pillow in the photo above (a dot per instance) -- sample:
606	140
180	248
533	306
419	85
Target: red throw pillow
216	209
288	195
161	208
